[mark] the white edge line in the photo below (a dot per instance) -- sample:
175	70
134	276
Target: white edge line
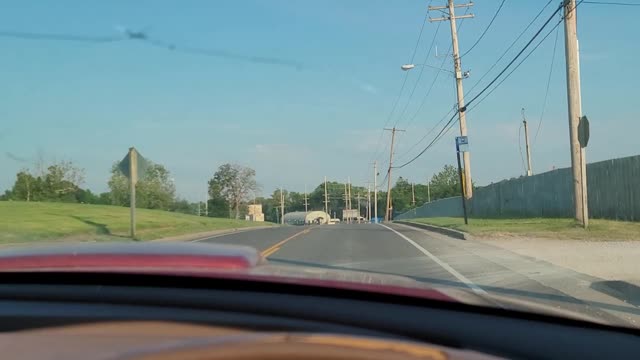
475	288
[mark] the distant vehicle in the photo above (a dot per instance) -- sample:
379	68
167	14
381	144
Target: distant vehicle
334	221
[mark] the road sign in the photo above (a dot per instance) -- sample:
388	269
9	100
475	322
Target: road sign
125	165
462	143
583	131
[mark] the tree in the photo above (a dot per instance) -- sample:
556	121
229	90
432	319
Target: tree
235	184
62	181
27	187
154	190
446	183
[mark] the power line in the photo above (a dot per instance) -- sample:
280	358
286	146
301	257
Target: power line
450	123
426	95
415	85
511	45
516	57
485	30
404	82
611	3
546	93
520	63
58	37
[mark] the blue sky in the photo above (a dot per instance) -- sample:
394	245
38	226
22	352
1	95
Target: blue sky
89	102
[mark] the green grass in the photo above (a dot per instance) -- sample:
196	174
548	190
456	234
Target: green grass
33	221
541	227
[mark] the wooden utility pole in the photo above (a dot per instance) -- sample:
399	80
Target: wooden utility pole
578	161
349	193
133	180
359	214
428	191
413	195
346	204
387	215
326	201
375	190
526	141
282	206
468	188
368	201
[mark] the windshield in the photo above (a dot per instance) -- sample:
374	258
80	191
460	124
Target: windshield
426	144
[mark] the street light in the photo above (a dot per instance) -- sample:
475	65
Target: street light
407	67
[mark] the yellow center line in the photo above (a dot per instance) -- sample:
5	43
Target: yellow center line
272	249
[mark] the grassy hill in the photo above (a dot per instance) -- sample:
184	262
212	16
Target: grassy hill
31	221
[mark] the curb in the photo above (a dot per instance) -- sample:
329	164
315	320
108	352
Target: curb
444	231
204	235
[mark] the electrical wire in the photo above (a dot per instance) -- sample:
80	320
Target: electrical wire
516	57
510	46
415	84
546	92
450	123
485	30
611	3
404	83
518	65
426	95
59	37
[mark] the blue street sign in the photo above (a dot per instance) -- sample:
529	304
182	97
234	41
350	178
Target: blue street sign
462	143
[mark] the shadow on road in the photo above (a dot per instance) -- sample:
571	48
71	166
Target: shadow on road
622	290
529	295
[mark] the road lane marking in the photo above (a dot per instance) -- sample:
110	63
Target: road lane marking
272	249
475	288
226	233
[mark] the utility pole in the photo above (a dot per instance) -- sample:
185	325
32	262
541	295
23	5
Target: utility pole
468	185
306	202
387	215
349	192
526	141
428	191
199	208
368	201
375	190
282	205
359	214
346	202
326	201
578	162
413	195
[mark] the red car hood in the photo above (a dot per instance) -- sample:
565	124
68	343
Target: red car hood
202	260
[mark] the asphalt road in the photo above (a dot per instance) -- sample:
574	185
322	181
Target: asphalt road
487	272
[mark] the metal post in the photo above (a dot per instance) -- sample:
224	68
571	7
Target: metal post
464	200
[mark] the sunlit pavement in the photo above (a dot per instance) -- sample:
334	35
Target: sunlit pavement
439	261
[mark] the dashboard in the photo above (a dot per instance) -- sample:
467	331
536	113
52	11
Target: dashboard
137	316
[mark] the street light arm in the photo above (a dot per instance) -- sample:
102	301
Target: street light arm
408	67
